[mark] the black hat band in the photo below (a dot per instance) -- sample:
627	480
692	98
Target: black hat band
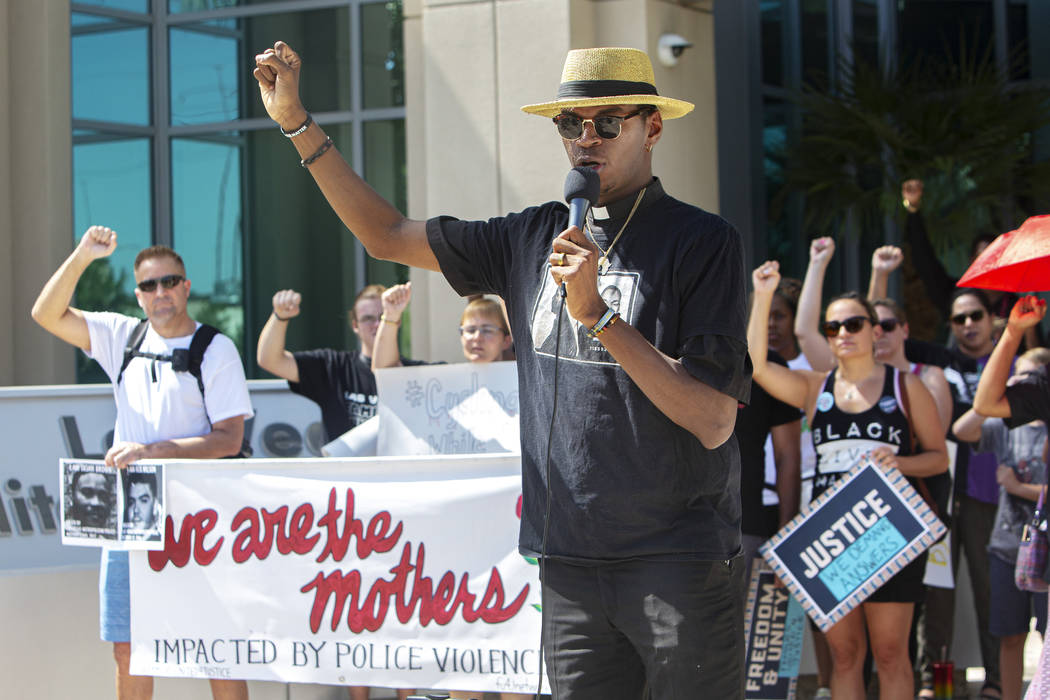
603	88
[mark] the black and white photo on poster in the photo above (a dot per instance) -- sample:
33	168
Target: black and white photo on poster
116	508
619	289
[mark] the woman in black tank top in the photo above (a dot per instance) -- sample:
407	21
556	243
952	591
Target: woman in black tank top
866	392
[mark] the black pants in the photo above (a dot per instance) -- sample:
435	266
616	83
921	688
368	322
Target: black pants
614	630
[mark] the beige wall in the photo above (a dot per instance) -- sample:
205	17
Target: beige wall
35	175
474	154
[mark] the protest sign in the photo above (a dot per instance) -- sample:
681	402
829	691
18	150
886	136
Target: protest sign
775	625
466	408
349	571
851	540
117	508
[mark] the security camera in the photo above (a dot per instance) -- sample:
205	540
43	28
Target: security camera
670	47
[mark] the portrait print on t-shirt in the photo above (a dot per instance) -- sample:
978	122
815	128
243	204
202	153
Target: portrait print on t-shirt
619	290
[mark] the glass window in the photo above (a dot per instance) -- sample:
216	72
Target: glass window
779	239
206	74
951	26
772	17
866	31
815	44
177	6
382	55
111	75
206	228
126	5
111	187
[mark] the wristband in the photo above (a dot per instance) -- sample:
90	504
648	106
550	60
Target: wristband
302	127
605	320
286	320
318	153
384	319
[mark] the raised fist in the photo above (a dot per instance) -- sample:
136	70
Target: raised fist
911	193
766	277
886	259
821	250
286	304
98	242
395	299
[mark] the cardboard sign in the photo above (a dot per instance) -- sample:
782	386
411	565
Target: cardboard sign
384	572
467	408
851	540
775	626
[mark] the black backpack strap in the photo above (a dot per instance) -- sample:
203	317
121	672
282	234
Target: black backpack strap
132	346
202	338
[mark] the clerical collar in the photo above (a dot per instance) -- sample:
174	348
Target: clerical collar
619	209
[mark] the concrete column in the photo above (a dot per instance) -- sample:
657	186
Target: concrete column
35	176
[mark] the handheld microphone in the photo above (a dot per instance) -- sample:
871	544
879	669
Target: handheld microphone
582	187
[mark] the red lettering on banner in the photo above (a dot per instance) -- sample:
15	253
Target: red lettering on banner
194	527
377	539
251	541
367	612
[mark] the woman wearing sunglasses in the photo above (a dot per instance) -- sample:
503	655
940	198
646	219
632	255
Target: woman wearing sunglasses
859	406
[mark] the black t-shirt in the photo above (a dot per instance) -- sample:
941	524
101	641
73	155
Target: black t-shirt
626	482
753	423
1029	398
342	384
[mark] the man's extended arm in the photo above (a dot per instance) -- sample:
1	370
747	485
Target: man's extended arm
787	456
270	353
52	308
384	231
224	440
990	397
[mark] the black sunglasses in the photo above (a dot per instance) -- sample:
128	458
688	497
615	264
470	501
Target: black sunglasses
975	316
888	324
167	281
607	126
853	324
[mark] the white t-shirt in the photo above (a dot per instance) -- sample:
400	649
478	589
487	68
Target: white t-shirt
154	402
809	455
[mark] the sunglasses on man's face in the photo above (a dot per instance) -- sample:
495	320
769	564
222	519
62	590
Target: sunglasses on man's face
975	316
167	281
888	324
853	324
607	126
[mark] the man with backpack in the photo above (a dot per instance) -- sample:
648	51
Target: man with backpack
180	392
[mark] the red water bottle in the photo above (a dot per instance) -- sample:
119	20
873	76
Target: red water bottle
943	687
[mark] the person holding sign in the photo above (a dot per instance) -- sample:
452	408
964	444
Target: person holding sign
860	407
163	411
626	447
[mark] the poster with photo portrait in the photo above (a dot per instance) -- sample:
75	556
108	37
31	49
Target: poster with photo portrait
143	506
619	290
110	507
90	502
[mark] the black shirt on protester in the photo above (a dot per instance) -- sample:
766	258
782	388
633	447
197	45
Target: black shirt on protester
341	383
626	481
753	423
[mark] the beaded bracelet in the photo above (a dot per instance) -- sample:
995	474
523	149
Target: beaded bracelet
384	319
607	326
302	127
318	153
602	322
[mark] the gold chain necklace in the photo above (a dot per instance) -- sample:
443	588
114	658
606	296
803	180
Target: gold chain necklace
603	261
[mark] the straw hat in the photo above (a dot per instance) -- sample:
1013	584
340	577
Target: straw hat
607	76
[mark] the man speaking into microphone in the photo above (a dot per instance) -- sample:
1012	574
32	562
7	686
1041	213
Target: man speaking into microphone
639	459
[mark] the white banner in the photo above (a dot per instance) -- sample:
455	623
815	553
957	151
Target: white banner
396	572
448	409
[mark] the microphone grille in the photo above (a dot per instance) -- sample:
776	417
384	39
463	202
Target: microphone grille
583	183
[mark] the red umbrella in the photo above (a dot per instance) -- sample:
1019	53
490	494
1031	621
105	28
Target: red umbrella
1016	261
